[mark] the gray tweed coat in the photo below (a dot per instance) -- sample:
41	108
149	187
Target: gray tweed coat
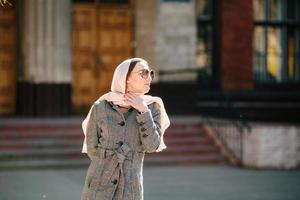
116	145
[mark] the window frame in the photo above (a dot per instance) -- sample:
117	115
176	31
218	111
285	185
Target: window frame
213	81
284	24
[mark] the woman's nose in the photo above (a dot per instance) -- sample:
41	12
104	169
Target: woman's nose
149	77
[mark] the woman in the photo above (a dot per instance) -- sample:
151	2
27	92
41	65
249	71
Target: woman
121	127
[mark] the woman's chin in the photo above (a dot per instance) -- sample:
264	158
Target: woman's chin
144	90
147	89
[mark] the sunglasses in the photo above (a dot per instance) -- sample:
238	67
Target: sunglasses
144	73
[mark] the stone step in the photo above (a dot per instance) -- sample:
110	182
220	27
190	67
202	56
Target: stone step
42	133
84	161
75	151
77	133
39	143
54	142
193	140
40	129
12	123
44	163
7	144
187	159
40	153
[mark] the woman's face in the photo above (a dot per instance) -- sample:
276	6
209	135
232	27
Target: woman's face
139	79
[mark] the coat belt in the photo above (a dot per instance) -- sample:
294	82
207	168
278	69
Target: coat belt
113	166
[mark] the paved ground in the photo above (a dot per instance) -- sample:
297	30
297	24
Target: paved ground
160	183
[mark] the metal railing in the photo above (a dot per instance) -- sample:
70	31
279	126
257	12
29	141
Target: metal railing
230	134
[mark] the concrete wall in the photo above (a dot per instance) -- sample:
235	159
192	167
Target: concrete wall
176	40
145	17
272	146
165	35
298	148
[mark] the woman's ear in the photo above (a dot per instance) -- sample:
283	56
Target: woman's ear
128	82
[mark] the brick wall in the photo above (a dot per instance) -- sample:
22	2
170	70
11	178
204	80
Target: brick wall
236	33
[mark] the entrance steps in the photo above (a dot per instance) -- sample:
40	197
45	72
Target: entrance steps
57	142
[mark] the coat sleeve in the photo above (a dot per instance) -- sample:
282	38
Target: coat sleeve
92	134
150	128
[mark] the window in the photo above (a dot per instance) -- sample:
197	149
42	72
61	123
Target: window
102	1
277	41
205	41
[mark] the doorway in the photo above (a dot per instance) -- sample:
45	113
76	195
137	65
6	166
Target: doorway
101	39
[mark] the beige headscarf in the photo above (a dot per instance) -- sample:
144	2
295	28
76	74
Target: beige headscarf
118	89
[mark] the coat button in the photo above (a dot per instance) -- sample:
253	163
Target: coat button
143	129
122	123
115	181
141	123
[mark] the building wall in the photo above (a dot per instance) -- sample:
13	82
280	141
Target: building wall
46	41
299	148
145	17
44	78
235	22
176	40
272	146
165	34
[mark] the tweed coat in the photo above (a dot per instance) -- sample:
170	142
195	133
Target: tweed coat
116	144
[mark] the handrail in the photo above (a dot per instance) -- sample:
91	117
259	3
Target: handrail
230	135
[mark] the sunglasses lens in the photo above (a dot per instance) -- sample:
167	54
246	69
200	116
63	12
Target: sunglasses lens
152	74
145	73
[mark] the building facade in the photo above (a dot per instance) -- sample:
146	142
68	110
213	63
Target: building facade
230	58
222	58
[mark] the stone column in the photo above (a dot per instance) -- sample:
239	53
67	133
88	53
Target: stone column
62	47
47	57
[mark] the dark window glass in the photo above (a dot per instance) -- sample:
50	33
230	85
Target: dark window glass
276	41
114	1
180	1
102	1
205	45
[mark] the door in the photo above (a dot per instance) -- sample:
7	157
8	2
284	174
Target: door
102	38
8	48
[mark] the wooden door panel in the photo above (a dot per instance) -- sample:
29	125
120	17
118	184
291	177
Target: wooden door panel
8	48
102	38
84	51
114	44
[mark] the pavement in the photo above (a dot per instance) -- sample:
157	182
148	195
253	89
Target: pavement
208	182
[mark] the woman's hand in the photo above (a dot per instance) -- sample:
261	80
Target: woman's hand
136	102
